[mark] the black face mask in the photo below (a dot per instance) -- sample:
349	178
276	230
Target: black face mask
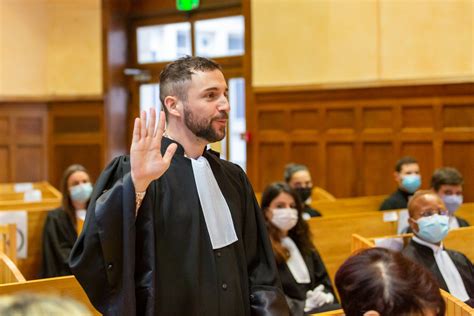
304	193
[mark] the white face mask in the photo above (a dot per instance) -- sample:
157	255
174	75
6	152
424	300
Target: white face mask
284	218
452	202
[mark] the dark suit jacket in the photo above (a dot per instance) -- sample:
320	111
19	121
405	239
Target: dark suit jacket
424	256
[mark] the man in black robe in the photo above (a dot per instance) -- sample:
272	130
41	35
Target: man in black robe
430	223
174	230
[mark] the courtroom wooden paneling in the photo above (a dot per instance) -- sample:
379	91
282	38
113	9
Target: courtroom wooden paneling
23	138
351	137
76	135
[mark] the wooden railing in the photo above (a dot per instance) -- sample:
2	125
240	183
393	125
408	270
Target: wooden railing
9	272
62	286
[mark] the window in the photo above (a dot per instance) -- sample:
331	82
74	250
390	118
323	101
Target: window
165	42
150	97
220	37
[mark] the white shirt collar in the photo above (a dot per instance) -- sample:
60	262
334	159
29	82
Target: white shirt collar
217	216
295	262
433	247
448	270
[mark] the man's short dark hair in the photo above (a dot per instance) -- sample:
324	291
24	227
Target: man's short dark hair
404	161
291	169
446	175
176	76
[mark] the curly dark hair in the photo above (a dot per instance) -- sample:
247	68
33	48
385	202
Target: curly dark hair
300	234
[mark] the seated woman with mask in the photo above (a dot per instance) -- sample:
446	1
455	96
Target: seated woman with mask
59	233
303	275
299	179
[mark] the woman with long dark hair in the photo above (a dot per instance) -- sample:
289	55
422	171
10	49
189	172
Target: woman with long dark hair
302	272
59	233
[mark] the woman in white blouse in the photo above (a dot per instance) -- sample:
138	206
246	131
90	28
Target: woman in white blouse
303	275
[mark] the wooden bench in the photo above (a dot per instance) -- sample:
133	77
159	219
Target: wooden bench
12	200
63	286
317	194
9	272
460	239
8	240
332	234
349	205
36	215
454	307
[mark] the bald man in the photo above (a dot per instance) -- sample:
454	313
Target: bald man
430	223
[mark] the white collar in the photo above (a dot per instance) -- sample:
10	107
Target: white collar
433	247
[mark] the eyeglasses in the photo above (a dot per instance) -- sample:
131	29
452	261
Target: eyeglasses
428	213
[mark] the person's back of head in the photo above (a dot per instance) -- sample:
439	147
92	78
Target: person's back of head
378	281
40	305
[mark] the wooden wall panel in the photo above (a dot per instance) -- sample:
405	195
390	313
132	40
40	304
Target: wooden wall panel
378	159
350	138
86	155
77	135
27	168
461	155
424	153
39	137
340	158
271	159
23	141
307	154
4	162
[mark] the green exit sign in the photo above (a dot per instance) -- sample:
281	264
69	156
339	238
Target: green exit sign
187	5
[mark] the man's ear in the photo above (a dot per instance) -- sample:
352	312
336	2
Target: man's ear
171	104
414	225
371	313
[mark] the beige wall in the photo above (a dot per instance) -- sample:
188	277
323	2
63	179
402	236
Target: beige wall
50	47
311	42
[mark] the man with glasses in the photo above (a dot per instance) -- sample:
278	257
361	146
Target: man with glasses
430	223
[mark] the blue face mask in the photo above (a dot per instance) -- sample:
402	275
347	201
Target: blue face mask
411	182
452	202
81	192
433	228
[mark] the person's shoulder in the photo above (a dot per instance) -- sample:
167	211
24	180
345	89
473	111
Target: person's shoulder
227	165
462	222
57	213
454	254
390	202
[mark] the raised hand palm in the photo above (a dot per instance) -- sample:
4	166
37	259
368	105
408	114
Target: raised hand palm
147	163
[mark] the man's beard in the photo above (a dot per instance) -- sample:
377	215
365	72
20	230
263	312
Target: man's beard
202	128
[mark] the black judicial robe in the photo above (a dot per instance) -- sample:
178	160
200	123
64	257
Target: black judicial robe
398	200
424	256
163	263
318	275
59	236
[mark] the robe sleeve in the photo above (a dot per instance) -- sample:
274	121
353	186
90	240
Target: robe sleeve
57	245
320	274
266	294
103	257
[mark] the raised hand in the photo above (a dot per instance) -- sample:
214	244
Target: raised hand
146	161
